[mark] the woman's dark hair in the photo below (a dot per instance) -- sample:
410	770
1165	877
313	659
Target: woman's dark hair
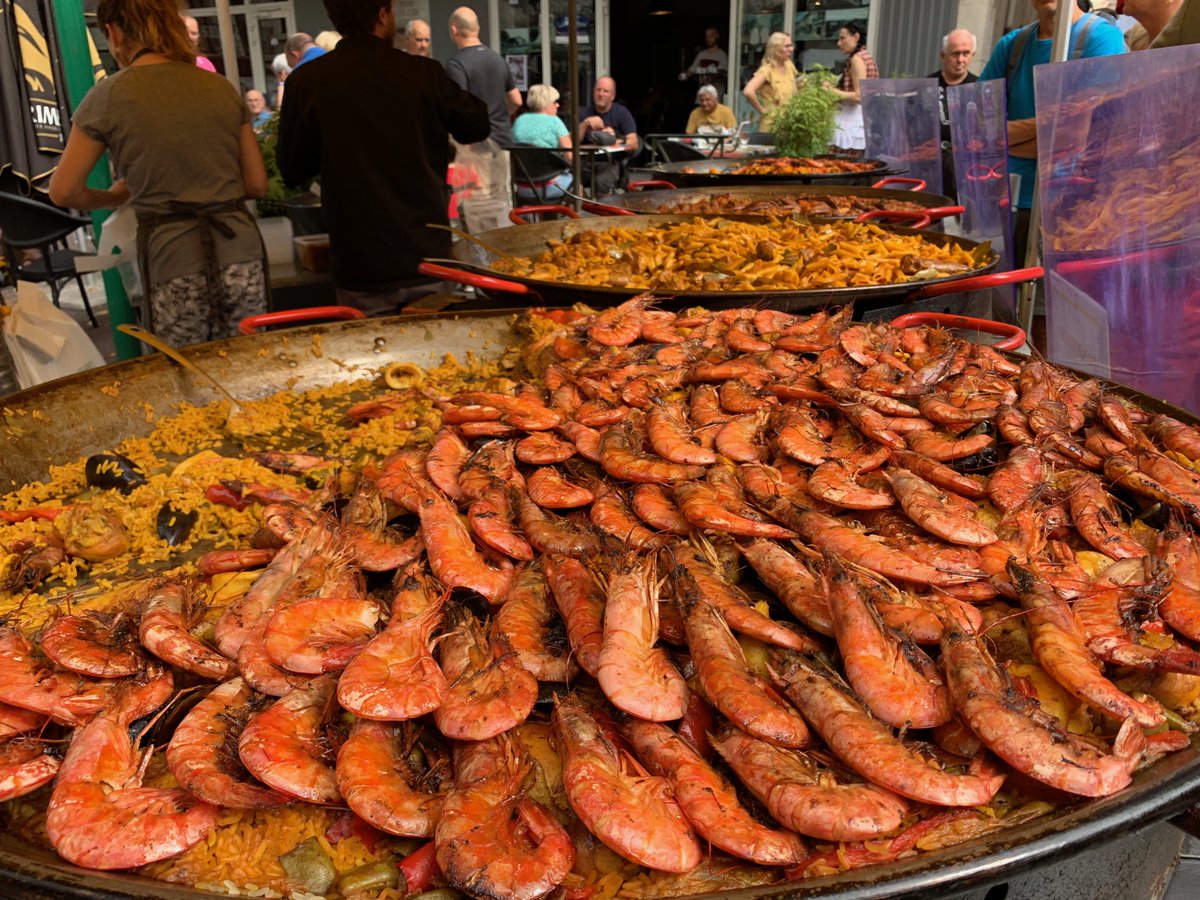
355	16
859	32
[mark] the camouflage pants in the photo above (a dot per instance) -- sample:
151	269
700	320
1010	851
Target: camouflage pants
183	311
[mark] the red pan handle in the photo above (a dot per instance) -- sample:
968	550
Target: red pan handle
1074	266
474	279
603	209
978	283
1014	336
903	216
653	184
250	324
540	209
916	183
942	212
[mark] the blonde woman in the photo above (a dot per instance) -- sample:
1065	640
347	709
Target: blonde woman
775	81
184	149
541	127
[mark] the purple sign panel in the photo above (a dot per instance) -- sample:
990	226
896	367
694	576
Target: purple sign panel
1118	157
904	127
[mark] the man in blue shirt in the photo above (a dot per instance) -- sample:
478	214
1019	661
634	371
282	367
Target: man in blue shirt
1014	57
300	49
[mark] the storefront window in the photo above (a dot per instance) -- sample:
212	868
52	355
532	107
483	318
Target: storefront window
521	42
816	30
559	62
760	18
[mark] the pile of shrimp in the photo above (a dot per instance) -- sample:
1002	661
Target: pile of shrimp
740	596
715	255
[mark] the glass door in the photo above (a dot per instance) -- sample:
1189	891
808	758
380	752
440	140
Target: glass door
560	44
816	30
757	21
259	33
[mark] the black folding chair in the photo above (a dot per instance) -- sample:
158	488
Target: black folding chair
534	170
27	224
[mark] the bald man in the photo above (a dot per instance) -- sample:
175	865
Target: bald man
607	122
481	71
418	39
958	49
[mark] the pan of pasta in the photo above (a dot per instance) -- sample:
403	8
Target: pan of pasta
799	263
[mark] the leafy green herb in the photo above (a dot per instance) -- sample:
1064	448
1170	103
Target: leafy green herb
277	191
804	125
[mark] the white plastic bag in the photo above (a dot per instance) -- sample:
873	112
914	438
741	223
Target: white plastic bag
45	343
489	201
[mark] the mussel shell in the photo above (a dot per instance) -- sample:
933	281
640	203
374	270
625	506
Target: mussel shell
112	470
173	525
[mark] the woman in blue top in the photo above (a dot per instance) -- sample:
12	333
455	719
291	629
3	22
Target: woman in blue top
541	127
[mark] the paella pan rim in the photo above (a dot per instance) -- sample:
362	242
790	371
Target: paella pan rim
644	201
348	348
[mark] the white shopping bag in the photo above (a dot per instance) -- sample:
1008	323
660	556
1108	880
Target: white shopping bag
45	343
489	201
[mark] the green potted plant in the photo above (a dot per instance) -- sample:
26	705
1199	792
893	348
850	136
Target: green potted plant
804	125
277	191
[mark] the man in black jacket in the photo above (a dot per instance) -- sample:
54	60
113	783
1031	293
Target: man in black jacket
373	122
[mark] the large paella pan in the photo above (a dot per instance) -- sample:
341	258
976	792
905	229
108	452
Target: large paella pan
770	170
495	262
125	401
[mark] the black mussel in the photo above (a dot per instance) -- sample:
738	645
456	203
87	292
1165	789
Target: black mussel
112	470
173	525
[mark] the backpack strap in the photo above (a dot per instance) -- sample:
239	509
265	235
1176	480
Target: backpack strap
1017	48
1081	45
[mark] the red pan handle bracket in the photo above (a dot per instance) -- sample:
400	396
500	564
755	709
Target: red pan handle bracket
978	283
1014	336
915	183
603	209
653	184
944	212
250	324
474	279
540	209
897	216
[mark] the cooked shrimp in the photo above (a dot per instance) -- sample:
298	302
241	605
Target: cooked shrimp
27	682
1125	472
634	815
1061	648
804	798
610	513
379	781
26	764
548	488
100	816
580	602
931	508
1180	605
452	554
257	667
14	720
791	581
740	439
704	507
167	616
670	435
942	476
893	677
541	448
654	506
735	607
549	533
1020	478
942	447
528	623
492	840
321	634
874	425
634	674
1096	517
728	683
202	753
834	482
620	325
395	677
216	562
708	800
490	691
523	413
868	746
622	458
1176	436
286	747
447	455
99	644
1012	726
828	533
373	545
